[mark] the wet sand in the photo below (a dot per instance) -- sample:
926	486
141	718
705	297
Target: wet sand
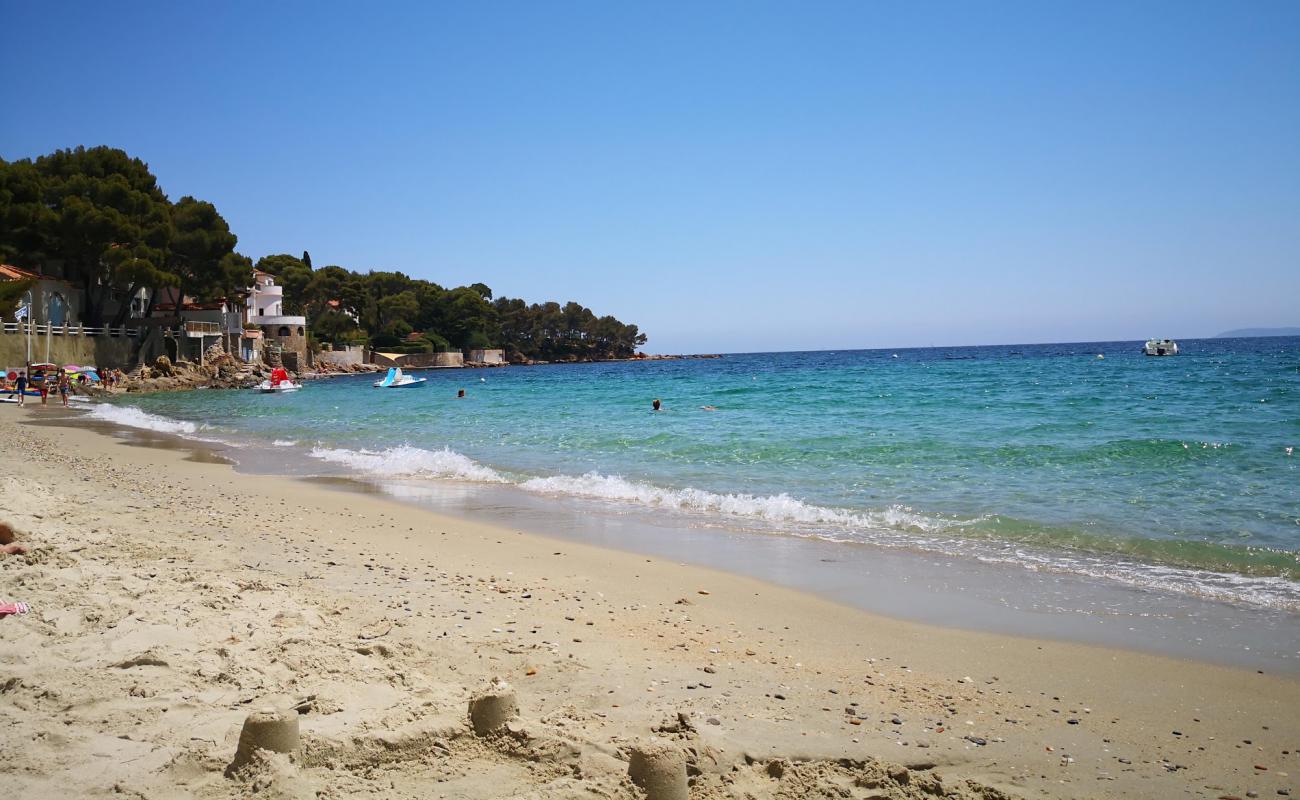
904	584
171	596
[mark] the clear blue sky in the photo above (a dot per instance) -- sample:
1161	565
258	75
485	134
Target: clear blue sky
730	176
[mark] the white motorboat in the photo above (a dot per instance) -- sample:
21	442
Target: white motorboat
396	380
278	383
1161	347
266	387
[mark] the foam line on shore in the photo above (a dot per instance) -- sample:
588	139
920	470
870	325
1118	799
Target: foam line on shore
895	527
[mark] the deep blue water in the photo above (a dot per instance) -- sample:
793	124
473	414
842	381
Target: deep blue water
1177	474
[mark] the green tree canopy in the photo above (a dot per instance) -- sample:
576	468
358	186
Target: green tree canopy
111	225
11	294
97	218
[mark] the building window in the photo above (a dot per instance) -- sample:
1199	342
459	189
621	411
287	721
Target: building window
284	331
300	330
261	312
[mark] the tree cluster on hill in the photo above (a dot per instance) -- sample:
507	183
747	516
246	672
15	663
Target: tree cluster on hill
386	308
97	218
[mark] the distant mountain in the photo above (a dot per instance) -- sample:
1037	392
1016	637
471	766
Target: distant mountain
1249	333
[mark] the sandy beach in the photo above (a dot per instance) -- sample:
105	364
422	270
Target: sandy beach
172	596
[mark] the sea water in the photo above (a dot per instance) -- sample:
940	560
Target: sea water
1175	475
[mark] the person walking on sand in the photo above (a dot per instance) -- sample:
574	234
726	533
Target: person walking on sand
22	388
65	386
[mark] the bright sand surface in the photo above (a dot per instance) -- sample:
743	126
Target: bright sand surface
172	596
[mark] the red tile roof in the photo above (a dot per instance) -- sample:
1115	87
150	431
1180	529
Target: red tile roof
9	272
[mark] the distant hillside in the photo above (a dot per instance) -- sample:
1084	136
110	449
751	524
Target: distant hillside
1248	333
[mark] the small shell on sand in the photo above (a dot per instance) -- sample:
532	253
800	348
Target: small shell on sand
660	769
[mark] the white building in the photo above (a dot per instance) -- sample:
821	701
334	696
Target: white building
282	332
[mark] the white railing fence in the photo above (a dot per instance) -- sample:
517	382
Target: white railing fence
47	329
203	328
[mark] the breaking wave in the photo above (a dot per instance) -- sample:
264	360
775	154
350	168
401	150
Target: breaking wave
896	526
410	462
780	508
135	418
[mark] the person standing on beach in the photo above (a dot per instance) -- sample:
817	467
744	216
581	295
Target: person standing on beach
22	388
65	386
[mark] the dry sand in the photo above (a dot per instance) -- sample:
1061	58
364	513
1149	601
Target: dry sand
171	598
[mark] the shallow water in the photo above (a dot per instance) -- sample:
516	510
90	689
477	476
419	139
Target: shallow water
1166	475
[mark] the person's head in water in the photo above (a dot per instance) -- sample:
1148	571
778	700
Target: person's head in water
460	393
656	405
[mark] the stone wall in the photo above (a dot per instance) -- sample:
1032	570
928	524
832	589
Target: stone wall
342	359
294	346
113	352
422	360
486	356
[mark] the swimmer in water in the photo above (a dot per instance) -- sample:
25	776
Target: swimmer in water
708	408
656	405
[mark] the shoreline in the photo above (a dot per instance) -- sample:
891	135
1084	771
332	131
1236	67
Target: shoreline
613	652
950	589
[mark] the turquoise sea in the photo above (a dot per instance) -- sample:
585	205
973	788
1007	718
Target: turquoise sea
1174	475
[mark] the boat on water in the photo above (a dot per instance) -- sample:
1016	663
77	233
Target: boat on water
1161	347
278	383
395	379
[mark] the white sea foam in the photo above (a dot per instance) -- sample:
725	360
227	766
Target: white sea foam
893	527
407	461
283	443
780	508
135	418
